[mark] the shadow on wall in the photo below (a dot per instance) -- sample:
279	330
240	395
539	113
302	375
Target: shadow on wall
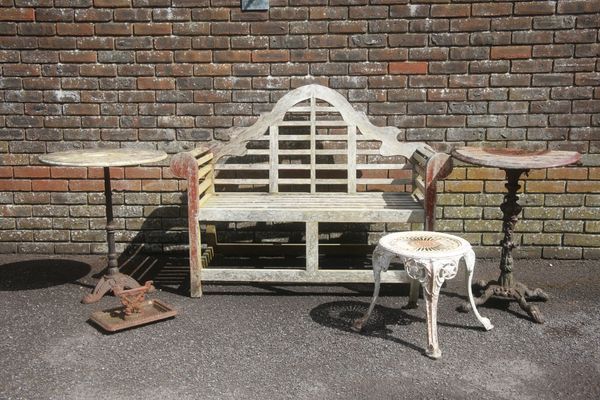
157	252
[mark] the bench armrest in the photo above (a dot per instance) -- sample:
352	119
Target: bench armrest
185	163
430	167
197	167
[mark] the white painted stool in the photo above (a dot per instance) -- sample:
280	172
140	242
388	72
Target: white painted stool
430	258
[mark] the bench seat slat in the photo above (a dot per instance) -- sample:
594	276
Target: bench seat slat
304	207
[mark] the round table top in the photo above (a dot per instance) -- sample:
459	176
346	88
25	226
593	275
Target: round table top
424	244
103	157
515	158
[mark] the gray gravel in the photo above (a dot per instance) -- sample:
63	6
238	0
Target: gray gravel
294	342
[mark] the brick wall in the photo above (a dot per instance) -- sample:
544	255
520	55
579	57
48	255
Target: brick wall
167	74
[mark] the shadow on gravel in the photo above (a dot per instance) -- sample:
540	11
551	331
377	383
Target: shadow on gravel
39	274
341	315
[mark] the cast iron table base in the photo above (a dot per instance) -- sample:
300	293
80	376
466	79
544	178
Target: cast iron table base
106	158
113	279
514	162
506	287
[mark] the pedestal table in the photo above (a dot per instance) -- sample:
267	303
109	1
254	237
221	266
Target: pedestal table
514	162
106	158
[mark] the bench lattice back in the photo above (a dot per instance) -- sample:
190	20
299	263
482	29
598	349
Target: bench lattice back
314	141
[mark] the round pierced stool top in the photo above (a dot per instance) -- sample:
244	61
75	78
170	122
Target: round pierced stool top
424	244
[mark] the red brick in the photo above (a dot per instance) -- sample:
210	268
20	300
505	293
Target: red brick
492	9
87	185
270	56
15	185
160	185
570	173
49	185
78	56
68	172
17	14
83	29
155	83
126	185
113	29
98	70
115	173
408	68
152	29
450	10
32	172
511	52
545	186
81	109
142	173
212	70
193	56
6	172
463	186
112	3
232	56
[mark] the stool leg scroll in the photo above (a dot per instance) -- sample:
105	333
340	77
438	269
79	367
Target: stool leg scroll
470	267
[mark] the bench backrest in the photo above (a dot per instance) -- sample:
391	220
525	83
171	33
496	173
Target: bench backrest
314	141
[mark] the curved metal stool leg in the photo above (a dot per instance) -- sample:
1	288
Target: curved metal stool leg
381	262
431	292
470	267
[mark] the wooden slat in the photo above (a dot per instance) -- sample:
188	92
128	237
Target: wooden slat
202	172
273	158
205	158
351	159
265	166
383	181
255	166
305	138
339	123
313	143
305	109
367	152
206	184
420	158
383	166
297	275
220	181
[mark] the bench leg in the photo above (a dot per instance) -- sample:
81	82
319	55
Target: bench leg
413	294
312	247
195	261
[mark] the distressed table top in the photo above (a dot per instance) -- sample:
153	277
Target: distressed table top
515	158
103	157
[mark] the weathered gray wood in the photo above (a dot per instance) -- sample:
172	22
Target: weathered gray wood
288	161
274	159
299	276
103	157
351	159
318	207
313	144
312	246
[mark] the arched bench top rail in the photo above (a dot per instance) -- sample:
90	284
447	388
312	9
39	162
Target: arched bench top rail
387	135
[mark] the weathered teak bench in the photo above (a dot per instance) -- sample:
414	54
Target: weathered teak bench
312	159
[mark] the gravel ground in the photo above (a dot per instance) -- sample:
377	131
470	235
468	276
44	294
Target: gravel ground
294	342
